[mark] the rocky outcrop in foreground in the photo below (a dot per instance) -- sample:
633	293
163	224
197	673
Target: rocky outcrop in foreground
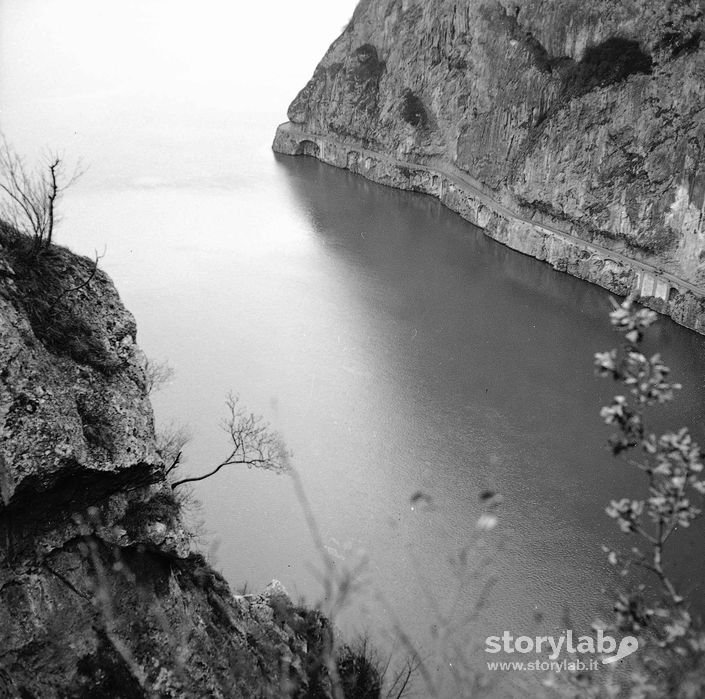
572	131
101	594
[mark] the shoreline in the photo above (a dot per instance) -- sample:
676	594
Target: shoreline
528	232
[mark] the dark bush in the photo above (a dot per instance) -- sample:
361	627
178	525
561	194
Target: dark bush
368	66
679	44
105	675
42	279
359	673
606	64
412	110
163	507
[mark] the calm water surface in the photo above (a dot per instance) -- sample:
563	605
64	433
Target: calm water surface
397	350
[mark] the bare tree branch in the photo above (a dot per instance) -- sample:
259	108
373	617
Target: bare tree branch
171	440
254	444
157	374
28	199
80	285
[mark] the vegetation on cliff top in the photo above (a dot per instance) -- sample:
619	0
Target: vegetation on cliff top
29	198
48	280
51	284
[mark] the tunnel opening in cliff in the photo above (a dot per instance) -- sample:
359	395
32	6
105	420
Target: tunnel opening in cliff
307	147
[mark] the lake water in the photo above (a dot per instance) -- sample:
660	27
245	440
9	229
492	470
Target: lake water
398	351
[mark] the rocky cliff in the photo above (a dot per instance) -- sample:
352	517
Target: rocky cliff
101	594
585	117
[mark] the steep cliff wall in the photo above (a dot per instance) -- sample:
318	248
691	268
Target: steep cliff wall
587	115
101	594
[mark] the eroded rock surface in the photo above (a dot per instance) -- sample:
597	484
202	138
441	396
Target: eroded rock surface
589	114
101	593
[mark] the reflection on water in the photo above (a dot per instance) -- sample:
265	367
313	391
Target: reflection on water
398	351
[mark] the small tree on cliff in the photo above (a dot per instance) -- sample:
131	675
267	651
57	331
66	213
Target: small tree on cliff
29	197
253	444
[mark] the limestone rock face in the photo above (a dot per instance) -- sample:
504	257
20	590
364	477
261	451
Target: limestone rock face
101	594
590	111
79	424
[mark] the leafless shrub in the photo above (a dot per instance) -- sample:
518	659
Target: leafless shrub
253	444
171	440
29	197
157	373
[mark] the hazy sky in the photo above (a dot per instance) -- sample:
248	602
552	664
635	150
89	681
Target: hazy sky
69	67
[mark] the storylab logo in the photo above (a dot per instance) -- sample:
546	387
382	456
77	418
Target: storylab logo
551	648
